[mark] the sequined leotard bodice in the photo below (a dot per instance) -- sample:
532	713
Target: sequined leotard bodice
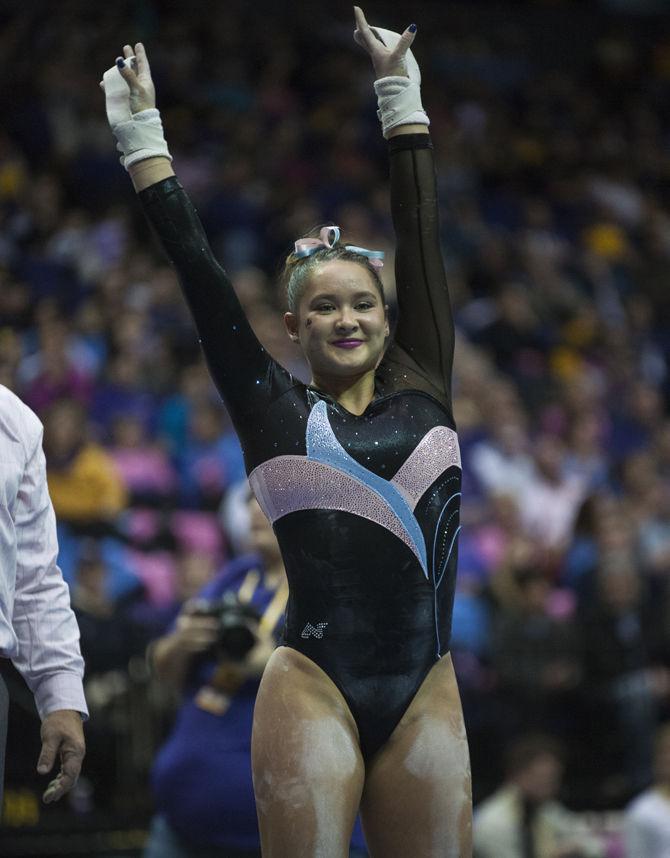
365	508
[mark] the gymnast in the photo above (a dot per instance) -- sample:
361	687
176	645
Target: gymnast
359	473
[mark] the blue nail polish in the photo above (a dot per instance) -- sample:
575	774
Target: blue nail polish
412	28
120	63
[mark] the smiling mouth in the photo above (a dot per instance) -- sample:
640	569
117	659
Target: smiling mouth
347	344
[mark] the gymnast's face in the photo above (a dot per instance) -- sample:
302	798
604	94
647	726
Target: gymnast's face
341	322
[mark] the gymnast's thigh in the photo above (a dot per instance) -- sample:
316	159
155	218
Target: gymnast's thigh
307	766
418	799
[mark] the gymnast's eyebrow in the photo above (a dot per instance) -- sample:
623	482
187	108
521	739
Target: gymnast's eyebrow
329	296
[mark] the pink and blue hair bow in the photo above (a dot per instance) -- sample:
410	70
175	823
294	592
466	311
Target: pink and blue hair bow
328	238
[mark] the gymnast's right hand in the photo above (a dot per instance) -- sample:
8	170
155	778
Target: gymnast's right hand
130	102
128	86
137	74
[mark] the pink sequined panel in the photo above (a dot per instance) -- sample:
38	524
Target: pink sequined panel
289	483
437	451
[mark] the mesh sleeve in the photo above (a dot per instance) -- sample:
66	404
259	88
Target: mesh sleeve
424	337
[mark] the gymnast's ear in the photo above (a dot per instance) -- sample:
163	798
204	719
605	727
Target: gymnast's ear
291	323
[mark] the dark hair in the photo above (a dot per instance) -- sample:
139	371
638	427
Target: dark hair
525	750
297	269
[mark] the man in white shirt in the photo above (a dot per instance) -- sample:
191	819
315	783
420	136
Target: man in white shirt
38	630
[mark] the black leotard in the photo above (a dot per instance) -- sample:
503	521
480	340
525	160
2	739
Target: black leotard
365	508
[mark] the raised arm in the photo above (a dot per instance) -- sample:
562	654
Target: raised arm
424	336
425	328
242	370
239	365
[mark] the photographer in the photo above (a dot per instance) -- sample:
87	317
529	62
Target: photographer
202	776
214	657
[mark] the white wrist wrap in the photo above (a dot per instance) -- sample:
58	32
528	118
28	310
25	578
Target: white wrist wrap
399	101
138	135
141	137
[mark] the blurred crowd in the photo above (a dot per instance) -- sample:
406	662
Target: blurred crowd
552	136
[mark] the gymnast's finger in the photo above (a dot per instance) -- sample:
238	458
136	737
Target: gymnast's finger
363	34
405	42
127	73
142	60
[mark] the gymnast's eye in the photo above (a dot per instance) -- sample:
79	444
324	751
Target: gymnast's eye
324	307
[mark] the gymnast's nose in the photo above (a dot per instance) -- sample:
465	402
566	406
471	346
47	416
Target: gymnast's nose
346	320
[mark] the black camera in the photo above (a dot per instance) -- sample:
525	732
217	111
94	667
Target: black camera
237	624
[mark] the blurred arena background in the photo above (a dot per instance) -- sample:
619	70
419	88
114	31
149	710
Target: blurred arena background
551	122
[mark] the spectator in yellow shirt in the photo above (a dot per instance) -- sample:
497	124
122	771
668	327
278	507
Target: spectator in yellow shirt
84	484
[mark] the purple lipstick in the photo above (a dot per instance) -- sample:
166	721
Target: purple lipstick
347	344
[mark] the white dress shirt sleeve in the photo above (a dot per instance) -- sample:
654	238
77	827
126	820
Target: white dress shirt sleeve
48	656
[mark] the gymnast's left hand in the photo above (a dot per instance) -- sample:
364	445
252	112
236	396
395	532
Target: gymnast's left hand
386	62
62	736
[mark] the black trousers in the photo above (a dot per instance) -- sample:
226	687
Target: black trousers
4	708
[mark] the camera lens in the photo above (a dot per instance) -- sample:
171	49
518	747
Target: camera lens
236	641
